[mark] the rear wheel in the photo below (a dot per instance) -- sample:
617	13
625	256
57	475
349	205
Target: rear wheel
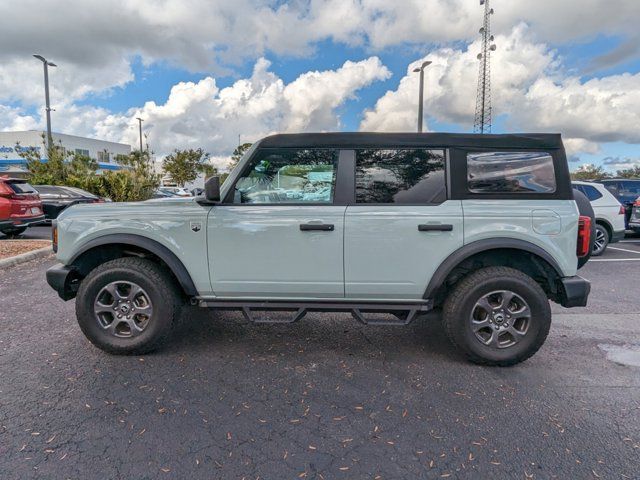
127	305
601	241
497	316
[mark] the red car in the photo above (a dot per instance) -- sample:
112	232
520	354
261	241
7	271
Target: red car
20	206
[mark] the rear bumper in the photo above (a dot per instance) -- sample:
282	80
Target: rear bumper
27	221
617	236
575	291
63	280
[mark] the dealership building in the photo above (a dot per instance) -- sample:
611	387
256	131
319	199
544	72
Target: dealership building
12	143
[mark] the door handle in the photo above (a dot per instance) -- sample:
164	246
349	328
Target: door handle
435	227
321	227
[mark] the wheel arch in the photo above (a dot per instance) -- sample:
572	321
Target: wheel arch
606	224
519	254
99	250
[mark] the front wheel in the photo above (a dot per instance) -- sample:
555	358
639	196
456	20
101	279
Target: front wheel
127	305
601	241
497	316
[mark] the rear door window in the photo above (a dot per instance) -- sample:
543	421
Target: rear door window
510	172
400	176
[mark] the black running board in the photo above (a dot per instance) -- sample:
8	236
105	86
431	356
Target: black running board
405	312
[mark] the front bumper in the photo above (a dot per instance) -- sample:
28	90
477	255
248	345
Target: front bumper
64	280
575	291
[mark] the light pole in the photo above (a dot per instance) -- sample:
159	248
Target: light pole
420	69
47	64
140	127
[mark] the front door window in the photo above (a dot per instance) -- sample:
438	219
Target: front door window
303	176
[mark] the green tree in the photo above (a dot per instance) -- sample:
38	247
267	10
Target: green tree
135	182
633	172
238	153
183	166
589	172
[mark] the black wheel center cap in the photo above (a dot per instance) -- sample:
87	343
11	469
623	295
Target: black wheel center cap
498	318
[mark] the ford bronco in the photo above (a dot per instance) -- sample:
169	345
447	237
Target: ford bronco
484	227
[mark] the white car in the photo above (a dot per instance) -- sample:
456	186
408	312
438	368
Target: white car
179	191
609	215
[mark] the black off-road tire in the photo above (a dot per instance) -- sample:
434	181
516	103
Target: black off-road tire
460	304
157	282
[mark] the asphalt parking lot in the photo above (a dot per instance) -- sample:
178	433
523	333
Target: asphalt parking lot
321	399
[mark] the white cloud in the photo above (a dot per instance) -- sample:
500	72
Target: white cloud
528	87
95	41
202	115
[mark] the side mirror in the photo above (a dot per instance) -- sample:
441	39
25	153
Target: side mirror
212	189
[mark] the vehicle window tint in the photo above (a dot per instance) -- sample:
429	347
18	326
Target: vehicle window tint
510	172
289	176
611	186
406	176
20	187
629	188
591	192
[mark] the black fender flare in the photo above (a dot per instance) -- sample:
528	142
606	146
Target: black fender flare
479	246
162	252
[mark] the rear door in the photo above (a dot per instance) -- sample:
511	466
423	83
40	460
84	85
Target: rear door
279	234
400	226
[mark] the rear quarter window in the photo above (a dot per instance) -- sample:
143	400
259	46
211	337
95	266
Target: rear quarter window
510	172
22	188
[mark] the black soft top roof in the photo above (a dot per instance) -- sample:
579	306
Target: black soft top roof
381	140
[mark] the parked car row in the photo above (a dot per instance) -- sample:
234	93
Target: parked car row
23	205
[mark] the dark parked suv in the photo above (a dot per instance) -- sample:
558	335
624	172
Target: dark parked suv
56	198
626	191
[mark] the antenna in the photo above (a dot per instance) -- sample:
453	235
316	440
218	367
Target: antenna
482	120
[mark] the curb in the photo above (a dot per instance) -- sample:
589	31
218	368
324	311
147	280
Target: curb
26	257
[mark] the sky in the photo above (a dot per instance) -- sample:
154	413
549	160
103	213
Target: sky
206	73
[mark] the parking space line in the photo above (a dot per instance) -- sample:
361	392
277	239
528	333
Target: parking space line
615	260
625	250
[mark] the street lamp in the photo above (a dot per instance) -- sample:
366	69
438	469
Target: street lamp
47	64
140	127
420	70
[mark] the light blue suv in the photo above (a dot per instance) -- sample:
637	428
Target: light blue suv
484	227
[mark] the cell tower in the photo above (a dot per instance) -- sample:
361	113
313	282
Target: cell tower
482	121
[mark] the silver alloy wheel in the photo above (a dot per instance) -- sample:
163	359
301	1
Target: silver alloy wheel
123	309
600	241
500	319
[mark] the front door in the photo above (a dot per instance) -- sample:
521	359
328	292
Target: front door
401	227
280	234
